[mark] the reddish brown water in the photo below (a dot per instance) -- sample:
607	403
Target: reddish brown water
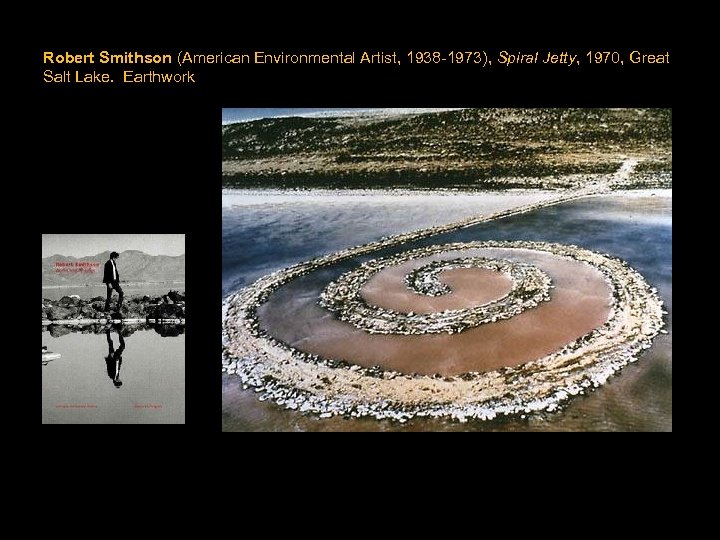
580	302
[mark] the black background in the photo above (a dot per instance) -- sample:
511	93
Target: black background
145	158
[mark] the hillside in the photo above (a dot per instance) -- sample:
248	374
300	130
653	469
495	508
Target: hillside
470	148
133	266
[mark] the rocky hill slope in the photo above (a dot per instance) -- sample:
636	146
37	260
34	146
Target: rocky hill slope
468	149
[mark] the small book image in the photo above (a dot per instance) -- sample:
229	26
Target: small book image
113	329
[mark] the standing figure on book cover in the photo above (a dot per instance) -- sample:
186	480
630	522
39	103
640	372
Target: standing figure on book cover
111	278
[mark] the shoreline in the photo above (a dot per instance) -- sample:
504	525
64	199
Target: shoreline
170	305
271	195
233	198
90	322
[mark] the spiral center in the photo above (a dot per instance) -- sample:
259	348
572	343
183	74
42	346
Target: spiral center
467	287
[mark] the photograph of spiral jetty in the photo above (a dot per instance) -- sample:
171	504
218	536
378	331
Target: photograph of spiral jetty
508	265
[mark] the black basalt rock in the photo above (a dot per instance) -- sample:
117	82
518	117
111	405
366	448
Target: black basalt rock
165	311
56	313
57	330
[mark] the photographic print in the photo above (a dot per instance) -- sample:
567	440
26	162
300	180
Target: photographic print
113	328
447	269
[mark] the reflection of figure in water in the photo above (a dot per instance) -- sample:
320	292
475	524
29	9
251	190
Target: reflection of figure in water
114	359
111	278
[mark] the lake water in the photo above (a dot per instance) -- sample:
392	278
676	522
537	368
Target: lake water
267	230
635	226
81	387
